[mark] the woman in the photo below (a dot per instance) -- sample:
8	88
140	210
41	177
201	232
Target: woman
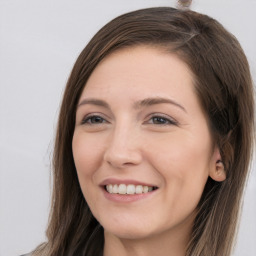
154	140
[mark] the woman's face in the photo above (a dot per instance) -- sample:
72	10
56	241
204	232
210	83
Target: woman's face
141	134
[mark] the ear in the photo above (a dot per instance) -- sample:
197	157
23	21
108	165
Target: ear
217	169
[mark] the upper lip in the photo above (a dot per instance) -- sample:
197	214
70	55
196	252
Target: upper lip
125	181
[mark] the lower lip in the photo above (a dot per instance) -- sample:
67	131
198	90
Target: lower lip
127	198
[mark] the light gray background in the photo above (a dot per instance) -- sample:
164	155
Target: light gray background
39	42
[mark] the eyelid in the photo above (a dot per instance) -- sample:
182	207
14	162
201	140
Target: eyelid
94	114
171	120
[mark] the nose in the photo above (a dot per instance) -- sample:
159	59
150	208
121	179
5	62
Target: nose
123	148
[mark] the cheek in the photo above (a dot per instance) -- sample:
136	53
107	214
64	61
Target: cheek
87	158
183	162
183	155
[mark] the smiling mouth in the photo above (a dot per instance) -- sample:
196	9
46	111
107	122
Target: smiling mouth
130	189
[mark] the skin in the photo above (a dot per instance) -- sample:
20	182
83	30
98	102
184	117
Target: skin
167	144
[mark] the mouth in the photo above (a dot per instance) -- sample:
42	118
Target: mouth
130	189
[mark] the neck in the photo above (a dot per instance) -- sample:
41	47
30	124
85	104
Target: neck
171	242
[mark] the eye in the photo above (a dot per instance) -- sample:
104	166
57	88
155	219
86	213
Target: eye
93	119
161	120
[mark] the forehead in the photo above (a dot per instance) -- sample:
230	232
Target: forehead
138	67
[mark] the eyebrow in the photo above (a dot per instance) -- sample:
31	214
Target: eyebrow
92	101
157	100
138	104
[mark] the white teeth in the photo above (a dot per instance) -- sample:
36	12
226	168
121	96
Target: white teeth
110	188
145	189
115	189
128	189
139	189
122	189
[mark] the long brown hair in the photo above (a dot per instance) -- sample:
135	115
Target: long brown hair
224	87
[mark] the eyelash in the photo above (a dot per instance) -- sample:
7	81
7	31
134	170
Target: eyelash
158	117
88	119
166	119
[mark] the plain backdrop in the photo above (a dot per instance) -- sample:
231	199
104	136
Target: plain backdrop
39	42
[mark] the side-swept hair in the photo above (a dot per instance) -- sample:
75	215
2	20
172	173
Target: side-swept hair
224	88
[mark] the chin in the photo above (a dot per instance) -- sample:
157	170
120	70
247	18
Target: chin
130	230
